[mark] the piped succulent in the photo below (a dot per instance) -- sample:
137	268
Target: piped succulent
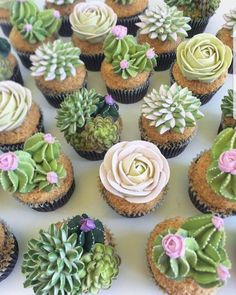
230	19
227	105
6	68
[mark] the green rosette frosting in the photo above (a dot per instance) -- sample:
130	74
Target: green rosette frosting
101	268
43	147
124	2
51	20
171	108
22	10
227	104
53	263
221	180
230	19
203	58
164	23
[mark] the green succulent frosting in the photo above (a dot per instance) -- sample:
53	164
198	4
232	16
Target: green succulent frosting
126	72
101	267
124	2
171	108
61	2
6	70
230	19
6	4
51	20
43	147
53	263
164	23
227	104
222	183
22	10
5	47
56	61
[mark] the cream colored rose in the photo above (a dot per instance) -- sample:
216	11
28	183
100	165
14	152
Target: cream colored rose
134	170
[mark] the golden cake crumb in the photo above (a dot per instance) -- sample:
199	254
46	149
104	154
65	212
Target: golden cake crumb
4	15
225	36
85	46
123	11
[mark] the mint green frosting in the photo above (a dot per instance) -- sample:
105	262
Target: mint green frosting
124	2
22	10
6	4
164	23
230	19
203	58
227	104
51	23
171	108
222	183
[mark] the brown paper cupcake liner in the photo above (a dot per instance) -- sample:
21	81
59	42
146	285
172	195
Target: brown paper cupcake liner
164	61
17	77
65	29
6	28
198	26
25	58
231	68
130	23
92	62
220	128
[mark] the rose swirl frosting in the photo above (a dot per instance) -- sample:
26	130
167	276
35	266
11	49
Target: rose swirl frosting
134	170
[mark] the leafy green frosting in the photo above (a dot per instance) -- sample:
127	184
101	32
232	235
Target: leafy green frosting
6	70
227	104
164	23
230	19
53	263
22	10
222	183
124	2
171	108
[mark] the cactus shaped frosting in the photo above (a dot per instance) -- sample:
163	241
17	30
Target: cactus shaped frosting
230	19
221	174
171	108
53	262
56	61
90	231
228	105
164	23
22	10
108	108
101	268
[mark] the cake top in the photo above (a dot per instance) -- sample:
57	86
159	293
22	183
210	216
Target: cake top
227	104
164	23
92	21
203	58
56	61
2	237
6	4
196	250
171	108
230	19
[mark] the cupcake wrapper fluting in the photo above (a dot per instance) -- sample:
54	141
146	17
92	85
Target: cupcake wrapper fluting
19	146
231	68
17	77
92	62
91	156
14	257
164	61
130	23
65	29
25	59
6	28
198	26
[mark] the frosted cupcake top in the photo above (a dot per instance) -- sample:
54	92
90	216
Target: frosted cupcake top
61	2
15	102
230	19
135	171
6	4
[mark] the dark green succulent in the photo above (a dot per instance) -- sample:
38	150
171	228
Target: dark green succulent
5	47
108	108
6	70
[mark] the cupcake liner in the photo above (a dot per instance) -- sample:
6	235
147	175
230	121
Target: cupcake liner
128	96
220	128
56	204
19	146
231	68
92	62
65	29
198	26
164	61
14	257
6	28
130	23
25	58
17	77
91	156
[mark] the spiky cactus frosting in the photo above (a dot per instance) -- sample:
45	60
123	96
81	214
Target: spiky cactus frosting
171	108
228	105
164	23
230	19
196	250
85	271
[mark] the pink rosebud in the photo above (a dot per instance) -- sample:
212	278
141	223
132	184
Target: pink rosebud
28	28
173	245
87	224
57	14
119	32
8	161
150	53
52	177
124	64
109	100
223	272
227	162
218	222
48	138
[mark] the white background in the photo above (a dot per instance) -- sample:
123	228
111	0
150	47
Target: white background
131	234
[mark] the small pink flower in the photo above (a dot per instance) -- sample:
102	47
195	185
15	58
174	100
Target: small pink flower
57	14
87	224
119	32
48	138
28	28
124	64
8	161
150	53
218	222
227	162
52	177
223	272
173	245
109	100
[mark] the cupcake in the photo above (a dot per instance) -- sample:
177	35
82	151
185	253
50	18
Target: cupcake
127	67
31	28
8	251
58	70
5	12
76	256
133	178
188	255
65	7
128	12
40	175
90	122
9	68
226	34
200	12
212	176
164	28
169	118
91	22
228	118
20	117
201	65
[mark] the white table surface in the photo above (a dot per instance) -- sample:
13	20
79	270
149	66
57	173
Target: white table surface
131	234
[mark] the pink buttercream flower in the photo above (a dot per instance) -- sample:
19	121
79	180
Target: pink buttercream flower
119	32
48	138
227	162
56	14
223	272
173	245
87	224
124	64
8	161
218	222
28	28
52	177
150	53
109	100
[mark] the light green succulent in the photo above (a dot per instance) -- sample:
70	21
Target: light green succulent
230	19
22	10
228	104
6	71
